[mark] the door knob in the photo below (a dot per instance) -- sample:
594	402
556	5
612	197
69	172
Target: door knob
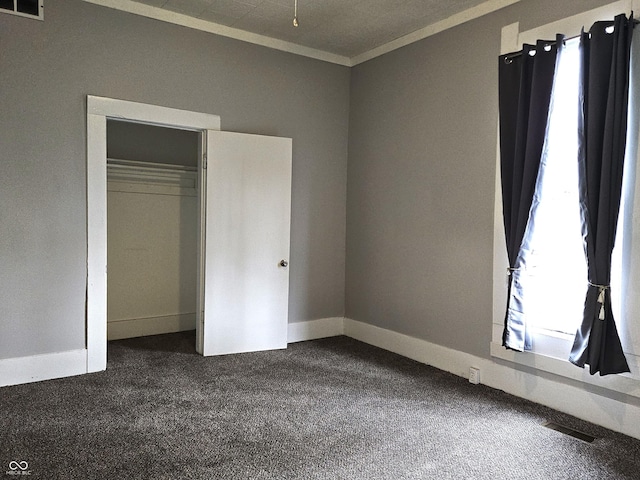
283	263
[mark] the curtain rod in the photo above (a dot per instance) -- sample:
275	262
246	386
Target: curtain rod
508	58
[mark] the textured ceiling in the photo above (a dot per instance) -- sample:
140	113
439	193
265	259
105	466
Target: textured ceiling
340	27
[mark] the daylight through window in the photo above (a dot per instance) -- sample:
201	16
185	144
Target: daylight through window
555	265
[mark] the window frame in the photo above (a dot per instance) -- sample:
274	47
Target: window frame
551	349
15	11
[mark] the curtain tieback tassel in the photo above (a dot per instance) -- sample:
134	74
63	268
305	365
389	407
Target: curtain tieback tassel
510	271
601	298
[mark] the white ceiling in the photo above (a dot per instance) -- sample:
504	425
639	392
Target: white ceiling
347	31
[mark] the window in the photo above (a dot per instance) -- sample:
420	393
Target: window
554	334
24	8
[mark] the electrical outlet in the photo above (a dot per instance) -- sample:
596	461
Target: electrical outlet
474	375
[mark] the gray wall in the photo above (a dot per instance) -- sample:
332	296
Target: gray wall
421	173
47	69
419	125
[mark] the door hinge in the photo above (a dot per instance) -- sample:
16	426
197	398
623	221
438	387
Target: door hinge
204	161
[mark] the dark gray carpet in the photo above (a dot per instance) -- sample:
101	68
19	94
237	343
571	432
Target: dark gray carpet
326	409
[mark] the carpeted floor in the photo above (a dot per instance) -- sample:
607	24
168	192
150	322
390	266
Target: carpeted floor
326	409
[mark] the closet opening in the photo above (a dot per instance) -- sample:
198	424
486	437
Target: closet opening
243	225
152	229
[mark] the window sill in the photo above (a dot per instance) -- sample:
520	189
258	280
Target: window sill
622	383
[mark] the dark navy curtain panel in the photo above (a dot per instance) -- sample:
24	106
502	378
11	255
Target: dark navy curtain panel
525	84
604	90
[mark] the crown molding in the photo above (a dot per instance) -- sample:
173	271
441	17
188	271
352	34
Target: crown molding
269	42
430	30
222	30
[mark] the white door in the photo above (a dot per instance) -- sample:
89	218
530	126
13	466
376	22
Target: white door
247	215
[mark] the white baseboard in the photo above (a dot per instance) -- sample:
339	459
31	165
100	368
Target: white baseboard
312	329
601	410
141	327
15	371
